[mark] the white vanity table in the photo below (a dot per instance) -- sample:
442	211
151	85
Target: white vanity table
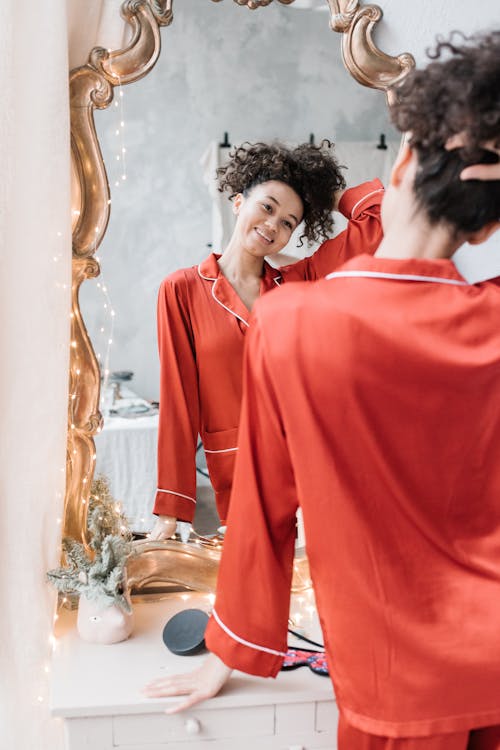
96	691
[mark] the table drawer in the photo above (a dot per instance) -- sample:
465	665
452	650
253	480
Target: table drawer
327	716
233	723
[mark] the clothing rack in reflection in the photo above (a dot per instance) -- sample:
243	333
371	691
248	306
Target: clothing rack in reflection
381	145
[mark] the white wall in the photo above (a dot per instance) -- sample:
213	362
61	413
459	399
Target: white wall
35	298
413	26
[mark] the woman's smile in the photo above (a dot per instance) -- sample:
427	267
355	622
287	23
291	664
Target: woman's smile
265	236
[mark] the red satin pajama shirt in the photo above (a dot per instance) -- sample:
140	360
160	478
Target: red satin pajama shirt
202	325
372	398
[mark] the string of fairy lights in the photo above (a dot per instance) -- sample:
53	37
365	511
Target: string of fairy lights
121	156
105	330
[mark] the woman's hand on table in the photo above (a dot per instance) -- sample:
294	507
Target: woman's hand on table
197	686
164	528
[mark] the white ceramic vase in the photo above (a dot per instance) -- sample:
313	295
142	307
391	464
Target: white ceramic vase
102	623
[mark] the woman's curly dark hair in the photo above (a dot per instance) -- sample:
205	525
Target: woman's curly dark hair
308	169
459	94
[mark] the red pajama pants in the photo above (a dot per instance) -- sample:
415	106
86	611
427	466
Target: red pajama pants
477	739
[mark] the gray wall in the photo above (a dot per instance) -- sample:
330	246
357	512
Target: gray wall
273	72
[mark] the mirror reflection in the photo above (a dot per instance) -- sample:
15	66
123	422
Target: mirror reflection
218	82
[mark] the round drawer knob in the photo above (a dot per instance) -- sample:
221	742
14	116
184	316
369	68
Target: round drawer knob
192	726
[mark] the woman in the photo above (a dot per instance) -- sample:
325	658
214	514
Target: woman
404	544
204	311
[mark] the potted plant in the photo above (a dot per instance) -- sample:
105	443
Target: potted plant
98	574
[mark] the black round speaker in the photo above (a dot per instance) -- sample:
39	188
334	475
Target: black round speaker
184	633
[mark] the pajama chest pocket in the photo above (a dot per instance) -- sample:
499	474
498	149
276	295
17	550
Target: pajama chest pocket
220	451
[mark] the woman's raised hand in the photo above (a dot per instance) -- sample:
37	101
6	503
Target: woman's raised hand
476	171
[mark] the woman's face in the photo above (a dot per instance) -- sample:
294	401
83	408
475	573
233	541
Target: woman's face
267	217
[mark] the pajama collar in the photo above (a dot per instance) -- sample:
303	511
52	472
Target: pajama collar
224	294
439	271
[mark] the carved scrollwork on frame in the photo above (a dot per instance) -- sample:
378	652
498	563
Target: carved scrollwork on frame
254	4
362	58
92	86
191	565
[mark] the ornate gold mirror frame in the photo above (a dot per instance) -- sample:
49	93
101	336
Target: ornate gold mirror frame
92	86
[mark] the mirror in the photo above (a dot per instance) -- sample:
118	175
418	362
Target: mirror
219	74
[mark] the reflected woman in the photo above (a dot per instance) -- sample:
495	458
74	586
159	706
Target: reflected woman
204	311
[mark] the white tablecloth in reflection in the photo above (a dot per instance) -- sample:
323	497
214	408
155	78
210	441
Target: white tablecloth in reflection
126	455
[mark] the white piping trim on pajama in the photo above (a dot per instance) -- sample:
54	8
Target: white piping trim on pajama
207	278
224	306
179	494
242	640
222	450
364	198
397	276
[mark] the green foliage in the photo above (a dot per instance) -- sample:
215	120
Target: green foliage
99	576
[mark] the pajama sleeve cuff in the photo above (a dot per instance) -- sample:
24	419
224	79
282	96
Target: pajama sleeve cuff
358	199
239	653
170	503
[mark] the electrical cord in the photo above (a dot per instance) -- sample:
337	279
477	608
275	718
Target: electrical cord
307	640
